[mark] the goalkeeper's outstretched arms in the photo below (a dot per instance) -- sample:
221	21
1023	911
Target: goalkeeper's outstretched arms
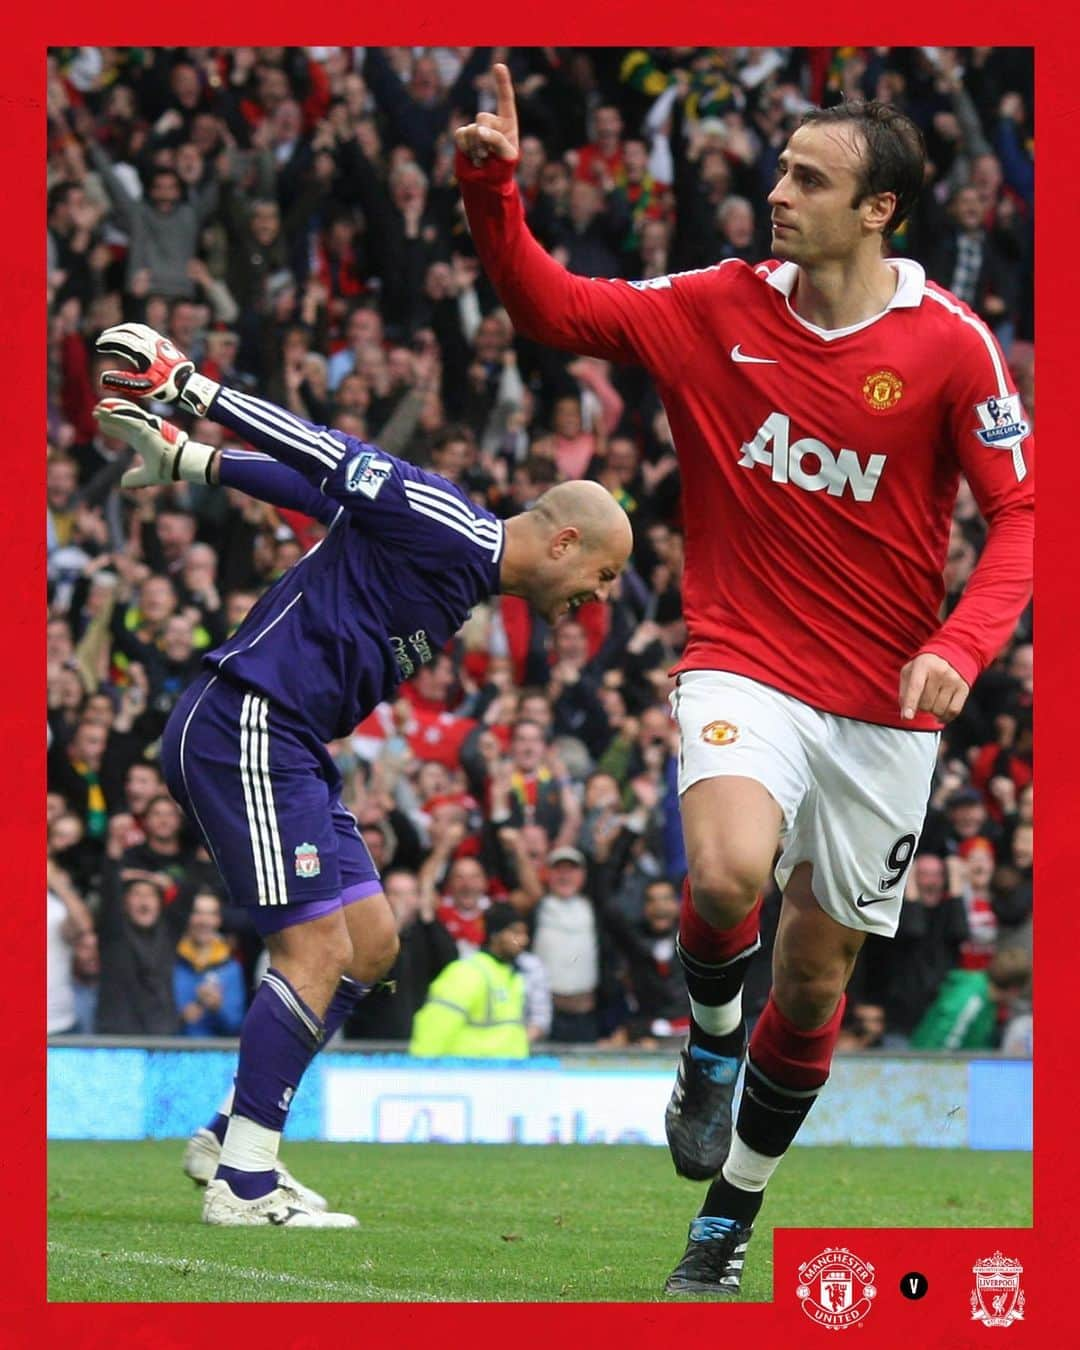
169	455
161	371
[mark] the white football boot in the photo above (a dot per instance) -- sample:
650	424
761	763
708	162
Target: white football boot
202	1153
282	1208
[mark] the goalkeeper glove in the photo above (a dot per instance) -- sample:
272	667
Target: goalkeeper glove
161	371
169	455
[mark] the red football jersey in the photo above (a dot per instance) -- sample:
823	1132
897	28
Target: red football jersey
819	467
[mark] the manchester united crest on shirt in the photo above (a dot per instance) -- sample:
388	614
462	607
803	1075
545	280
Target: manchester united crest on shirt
720	733
883	390
307	860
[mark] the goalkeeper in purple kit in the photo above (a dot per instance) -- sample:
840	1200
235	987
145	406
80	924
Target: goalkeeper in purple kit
406	556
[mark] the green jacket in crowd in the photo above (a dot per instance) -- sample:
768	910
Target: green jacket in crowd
962	1017
475	1009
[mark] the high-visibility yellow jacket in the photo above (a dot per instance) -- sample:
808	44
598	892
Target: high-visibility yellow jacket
475	1009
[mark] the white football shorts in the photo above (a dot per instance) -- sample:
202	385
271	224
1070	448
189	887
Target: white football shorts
853	794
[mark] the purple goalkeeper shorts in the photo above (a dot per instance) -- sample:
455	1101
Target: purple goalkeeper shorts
265	795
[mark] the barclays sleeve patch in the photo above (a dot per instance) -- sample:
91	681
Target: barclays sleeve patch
1004	427
366	474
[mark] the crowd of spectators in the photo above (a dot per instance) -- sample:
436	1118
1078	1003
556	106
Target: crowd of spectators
289	216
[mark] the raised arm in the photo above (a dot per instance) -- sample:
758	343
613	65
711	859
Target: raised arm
618	320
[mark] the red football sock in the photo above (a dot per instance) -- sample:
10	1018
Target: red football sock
790	1057
710	945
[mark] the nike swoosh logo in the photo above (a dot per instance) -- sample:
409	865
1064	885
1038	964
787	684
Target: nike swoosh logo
862	902
738	355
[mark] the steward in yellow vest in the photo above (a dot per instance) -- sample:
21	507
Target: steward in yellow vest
475	1008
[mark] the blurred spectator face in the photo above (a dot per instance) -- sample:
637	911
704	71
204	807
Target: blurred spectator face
566	417
715	173
509	942
466	882
368	138
602	793
661	907
966	209
737	222
157	314
61	479
352	424
399	362
376	845
99	710
69	689
655	237
200	568
570	643
967	819
930	878
273	85
980	868
142	784
1025	804
286	122
986	178
565	879
364	329
432	780
1022	666
1023	846
435	681
536	708
184	82
527	747
425	85
537	845
123	833
58	644
959	561
295	346
65	832
355	92
608	124
408	186
354	394
204	923
402	891
157	599
55	806
533	158
88	745
451	459
339	237
287	552
315	372
176	533
555	180
655	727
142	903
189	162
205	134
86	958
585	203
635	160
121	103
265	223
184	324
237	607
177	641
165	191
622	459
162	821
491	339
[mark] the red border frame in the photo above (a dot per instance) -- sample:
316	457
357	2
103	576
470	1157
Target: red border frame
1051	1249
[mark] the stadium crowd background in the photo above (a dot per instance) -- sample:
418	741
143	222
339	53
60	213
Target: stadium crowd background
290	218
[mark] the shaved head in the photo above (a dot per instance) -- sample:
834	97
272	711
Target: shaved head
568	549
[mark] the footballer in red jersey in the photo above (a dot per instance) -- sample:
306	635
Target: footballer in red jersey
824	405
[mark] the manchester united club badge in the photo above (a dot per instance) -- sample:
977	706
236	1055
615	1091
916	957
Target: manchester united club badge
836	1288
997	1299
883	390
720	733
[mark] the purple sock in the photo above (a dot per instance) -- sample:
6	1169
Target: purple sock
278	1040
218	1126
346	996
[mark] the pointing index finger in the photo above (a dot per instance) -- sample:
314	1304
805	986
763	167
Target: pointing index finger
504	92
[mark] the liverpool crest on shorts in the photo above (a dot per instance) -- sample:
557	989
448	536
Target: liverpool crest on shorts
997	1299
307	860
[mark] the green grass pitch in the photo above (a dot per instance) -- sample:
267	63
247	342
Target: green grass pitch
465	1223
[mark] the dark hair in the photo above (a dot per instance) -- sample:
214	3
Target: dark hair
895	154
